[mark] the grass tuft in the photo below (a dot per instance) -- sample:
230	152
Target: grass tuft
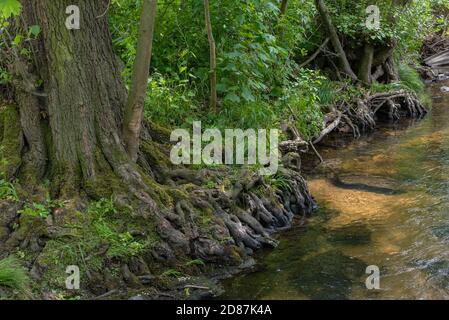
12	274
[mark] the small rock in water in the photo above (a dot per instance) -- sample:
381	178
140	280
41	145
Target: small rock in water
442	77
444	89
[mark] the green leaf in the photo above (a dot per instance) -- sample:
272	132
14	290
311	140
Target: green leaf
35	30
247	95
9	8
232	97
17	40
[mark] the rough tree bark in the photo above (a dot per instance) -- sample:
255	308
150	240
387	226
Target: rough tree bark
134	108
73	130
212	59
366	64
85	93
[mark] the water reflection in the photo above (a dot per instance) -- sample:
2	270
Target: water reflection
404	232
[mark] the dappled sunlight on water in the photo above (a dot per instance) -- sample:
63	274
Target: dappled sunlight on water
389	207
355	205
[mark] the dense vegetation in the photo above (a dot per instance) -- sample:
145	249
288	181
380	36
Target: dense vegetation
73	191
259	54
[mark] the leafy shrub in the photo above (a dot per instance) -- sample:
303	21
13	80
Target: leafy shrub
171	102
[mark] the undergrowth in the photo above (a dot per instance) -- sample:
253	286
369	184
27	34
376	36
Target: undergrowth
13	275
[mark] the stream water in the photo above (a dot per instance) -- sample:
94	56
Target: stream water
405	232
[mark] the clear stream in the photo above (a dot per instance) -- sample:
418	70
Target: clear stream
405	233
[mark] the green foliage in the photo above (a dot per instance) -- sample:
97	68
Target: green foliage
259	82
37	210
172	102
41	210
401	22
12	274
121	244
172	273
5	77
304	103
8	191
102	237
196	262
9	8
440	9
256	69
411	79
278	181
102	208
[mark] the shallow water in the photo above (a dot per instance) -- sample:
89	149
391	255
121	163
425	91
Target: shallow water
405	233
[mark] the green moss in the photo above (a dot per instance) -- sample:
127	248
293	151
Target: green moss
100	238
29	227
11	143
154	154
158	132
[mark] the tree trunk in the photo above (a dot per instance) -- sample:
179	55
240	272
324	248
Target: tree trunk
366	64
134	108
382	54
85	96
391	70
344	63
284	6
212	59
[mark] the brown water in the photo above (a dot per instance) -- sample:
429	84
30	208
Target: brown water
405	233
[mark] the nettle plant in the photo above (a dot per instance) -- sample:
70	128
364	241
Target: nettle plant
9	8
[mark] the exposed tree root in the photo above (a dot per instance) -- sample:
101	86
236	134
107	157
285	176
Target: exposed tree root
224	223
362	114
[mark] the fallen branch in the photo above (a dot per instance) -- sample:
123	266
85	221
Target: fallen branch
316	152
329	128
